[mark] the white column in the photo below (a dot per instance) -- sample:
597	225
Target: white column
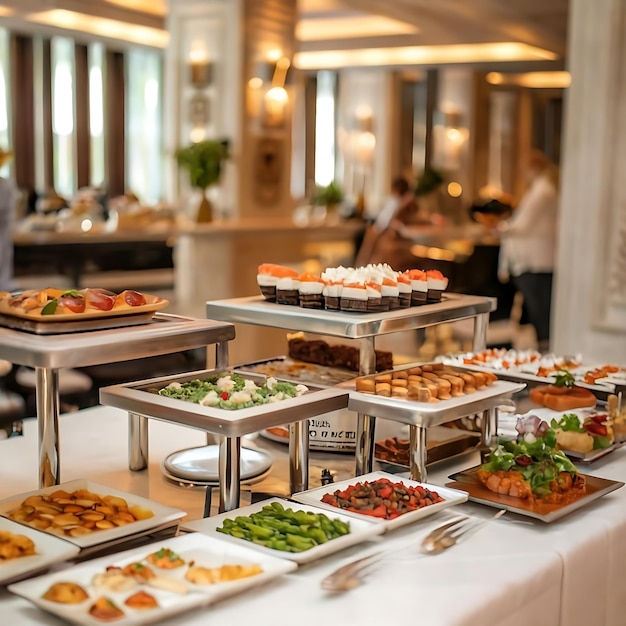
589	312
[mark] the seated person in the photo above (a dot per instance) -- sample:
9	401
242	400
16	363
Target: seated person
383	242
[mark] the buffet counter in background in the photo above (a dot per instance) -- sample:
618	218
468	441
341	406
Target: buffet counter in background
219	260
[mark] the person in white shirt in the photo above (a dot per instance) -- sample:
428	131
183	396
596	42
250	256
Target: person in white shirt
7	212
528	244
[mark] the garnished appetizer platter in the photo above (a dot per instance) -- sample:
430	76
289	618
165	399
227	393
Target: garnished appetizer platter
532	476
232	391
532	365
48	310
148	584
584	434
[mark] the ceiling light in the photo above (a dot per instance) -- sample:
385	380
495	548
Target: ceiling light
536	80
104	27
322	29
6	11
422	55
154	7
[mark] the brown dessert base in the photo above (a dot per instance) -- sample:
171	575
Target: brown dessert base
268	292
375	304
390	303
404	300
418	297
312	301
349	304
331	303
288	296
434	295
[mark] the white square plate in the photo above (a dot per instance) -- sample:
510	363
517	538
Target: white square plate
162	514
204	551
48	550
360	530
450	496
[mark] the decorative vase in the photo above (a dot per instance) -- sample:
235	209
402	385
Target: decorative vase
205	210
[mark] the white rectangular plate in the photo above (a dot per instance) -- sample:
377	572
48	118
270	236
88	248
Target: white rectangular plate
204	551
48	550
162	514
451	497
360	530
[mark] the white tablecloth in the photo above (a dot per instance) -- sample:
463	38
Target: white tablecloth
514	573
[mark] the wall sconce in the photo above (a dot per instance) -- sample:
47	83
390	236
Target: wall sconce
453	138
364	140
199	104
200	69
268	99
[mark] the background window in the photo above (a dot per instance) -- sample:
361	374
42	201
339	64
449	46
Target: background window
96	55
325	128
63	111
144	149
5	135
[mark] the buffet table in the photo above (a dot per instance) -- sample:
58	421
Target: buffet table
515	572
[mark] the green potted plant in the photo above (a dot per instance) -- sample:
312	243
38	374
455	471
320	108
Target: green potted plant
430	180
203	160
330	196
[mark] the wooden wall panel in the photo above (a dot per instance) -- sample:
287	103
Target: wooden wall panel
83	138
115	123
22	98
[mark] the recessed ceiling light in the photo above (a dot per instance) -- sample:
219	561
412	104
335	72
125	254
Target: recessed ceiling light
533	80
350	27
422	55
104	27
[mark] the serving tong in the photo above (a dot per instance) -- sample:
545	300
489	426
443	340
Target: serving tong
437	541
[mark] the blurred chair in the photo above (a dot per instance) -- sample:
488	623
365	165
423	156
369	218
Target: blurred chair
74	388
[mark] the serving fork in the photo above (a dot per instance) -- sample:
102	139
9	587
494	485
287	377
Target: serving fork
443	537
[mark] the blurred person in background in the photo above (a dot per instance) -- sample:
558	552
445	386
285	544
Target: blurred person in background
7	215
528	242
383	242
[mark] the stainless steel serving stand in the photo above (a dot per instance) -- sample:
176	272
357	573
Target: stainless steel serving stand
163	334
421	415
141	398
362	326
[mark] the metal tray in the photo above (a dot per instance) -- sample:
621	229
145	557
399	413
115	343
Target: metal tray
258	311
77	326
140	398
601	391
426	414
162	334
594	455
286	368
467	481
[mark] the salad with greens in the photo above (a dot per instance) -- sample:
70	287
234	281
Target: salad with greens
232	391
535	458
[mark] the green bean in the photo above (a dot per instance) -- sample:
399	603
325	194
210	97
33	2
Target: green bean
285	529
